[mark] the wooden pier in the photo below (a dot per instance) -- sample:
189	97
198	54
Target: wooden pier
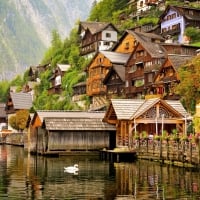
118	155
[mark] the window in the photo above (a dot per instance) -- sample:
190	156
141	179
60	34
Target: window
108	35
138	83
58	80
127	45
106	43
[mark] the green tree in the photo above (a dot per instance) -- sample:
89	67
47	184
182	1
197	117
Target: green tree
193	33
189	86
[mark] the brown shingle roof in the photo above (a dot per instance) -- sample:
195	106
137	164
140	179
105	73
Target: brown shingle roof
178	60
67	114
95	27
147	41
78	124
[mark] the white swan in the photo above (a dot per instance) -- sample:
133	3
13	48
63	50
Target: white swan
72	169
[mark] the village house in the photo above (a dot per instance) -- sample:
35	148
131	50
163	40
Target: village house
34	71
97	71
96	36
54	132
141	8
167	77
175	19
115	82
79	94
56	78
17	101
143	64
152	116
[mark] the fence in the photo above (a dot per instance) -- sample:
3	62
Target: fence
181	152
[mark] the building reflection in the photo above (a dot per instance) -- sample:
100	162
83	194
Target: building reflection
150	180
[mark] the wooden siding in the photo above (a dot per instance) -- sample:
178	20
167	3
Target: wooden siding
74	140
97	72
134	115
127	45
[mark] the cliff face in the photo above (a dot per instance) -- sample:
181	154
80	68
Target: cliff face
26	26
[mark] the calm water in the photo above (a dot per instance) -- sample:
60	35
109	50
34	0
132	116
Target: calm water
31	177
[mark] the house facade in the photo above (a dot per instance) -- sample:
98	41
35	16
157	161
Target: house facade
167	77
143	64
56	78
97	71
96	36
176	19
61	131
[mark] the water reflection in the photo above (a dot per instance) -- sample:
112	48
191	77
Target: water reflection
29	177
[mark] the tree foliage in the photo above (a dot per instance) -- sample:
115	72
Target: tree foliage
189	86
19	120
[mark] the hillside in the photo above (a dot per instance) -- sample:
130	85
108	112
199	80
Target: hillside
26	26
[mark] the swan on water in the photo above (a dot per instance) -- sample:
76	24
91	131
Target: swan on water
72	169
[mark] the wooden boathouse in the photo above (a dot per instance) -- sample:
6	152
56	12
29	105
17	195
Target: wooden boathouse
64	132
152	116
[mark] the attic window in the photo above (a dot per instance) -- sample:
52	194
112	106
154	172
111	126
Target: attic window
108	35
127	45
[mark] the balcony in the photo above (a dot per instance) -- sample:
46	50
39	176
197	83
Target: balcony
174	31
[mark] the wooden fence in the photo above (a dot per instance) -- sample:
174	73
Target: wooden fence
182	153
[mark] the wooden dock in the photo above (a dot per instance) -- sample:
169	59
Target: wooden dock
118	155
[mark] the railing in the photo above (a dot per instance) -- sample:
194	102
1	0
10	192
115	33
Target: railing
183	152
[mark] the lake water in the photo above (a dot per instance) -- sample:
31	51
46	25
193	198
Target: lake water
23	176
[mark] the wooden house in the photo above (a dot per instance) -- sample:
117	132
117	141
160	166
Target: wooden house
143	64
126	43
79	93
3	116
181	49
175	19
56	78
62	131
34	71
131	116
96	72
18	101
167	77
115	82
96	36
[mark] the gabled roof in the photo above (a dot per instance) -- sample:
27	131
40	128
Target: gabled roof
125	108
139	36
128	109
64	67
95	27
182	10
77	124
66	114
115	57
21	100
178	60
119	70
145	39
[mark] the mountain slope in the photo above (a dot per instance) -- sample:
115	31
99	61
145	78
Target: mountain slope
26	26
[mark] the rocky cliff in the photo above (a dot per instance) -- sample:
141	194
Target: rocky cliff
26	26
